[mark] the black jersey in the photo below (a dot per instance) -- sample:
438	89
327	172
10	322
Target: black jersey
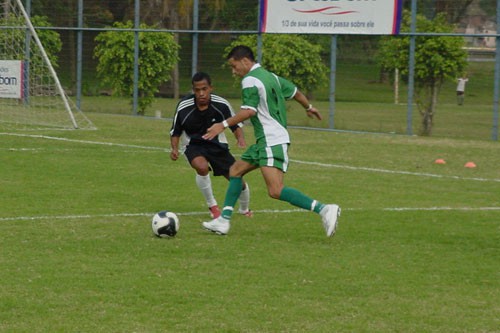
192	122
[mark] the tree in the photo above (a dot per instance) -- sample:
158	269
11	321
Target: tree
158	54
239	15
49	39
12	44
174	14
489	7
290	56
453	10
437	58
170	14
63	13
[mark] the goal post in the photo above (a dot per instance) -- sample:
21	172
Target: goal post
31	95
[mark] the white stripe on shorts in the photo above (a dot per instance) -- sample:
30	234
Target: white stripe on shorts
270	157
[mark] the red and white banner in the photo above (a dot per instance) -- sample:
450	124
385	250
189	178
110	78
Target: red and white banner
365	17
11	79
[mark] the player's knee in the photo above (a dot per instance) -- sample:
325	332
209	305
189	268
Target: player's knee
274	193
202	170
200	165
233	172
236	170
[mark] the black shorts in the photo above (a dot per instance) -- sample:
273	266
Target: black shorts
220	159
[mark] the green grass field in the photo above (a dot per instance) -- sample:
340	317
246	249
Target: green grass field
417	248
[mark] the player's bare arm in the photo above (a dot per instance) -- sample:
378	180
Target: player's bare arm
312	112
174	144
218	128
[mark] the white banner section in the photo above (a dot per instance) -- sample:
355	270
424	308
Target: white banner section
11	79
365	17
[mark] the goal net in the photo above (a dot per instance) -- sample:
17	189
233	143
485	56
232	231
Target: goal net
31	96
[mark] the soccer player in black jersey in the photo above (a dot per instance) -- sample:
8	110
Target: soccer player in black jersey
193	116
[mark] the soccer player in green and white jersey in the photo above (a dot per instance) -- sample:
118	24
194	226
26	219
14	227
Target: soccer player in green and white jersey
263	102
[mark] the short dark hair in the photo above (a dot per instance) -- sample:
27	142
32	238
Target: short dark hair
239	52
200	76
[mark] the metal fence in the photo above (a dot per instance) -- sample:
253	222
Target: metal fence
357	88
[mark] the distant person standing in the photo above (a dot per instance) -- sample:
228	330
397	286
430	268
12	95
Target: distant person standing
461	89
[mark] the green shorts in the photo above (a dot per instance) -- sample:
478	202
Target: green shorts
274	156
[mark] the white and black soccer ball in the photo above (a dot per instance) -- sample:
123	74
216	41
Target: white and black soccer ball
165	224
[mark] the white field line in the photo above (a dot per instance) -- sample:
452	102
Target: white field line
396	209
264	211
37	136
42	150
326	165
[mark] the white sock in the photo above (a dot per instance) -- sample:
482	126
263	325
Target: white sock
245	199
205	185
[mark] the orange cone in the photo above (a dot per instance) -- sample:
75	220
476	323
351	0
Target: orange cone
470	165
440	161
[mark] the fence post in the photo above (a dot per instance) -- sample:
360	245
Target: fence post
27	57
411	68
79	51
136	56
259	36
194	59
496	92
333	73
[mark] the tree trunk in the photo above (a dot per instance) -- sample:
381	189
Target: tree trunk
427	122
430	110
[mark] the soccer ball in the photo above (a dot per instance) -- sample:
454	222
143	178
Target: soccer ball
165	224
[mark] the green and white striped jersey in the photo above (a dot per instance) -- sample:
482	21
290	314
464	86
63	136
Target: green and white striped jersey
266	93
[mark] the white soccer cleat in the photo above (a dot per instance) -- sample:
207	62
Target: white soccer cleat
220	226
330	216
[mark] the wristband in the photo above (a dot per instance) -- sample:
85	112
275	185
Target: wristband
225	124
309	108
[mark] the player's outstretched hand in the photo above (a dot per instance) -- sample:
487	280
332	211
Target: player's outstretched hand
213	131
242	143
314	113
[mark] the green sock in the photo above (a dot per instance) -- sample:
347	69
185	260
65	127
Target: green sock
232	194
299	199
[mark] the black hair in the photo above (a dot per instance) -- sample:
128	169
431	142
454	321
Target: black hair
200	76
239	52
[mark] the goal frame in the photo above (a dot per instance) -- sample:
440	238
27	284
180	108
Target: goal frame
46	59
